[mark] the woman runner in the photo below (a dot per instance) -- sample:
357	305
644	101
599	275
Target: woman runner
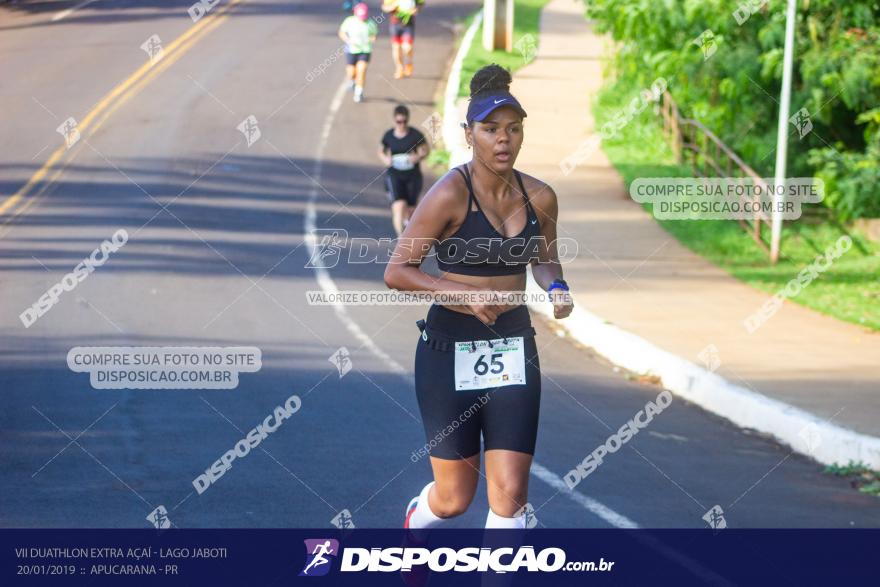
358	33
403	33
476	363
401	149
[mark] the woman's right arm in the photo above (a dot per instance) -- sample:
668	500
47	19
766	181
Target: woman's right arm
383	154
431	217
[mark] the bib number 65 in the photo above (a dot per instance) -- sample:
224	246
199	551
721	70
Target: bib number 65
481	367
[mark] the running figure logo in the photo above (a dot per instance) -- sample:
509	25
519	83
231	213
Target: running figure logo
528	513
153	47
159	518
343	520
434	124
317	552
250	129
710	357
715	518
528	47
329	244
68	130
707	43
341	360
801	121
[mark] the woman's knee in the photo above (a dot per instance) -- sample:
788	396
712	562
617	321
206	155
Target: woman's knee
508	495
450	500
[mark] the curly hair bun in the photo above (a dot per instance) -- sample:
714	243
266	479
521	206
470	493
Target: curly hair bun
490	78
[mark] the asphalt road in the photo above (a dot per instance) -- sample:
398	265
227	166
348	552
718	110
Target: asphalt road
216	257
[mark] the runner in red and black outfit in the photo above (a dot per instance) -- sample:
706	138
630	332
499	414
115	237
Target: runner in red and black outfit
403	31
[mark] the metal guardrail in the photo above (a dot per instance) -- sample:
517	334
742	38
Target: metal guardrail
708	156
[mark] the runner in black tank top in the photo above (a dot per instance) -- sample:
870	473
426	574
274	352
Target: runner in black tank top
477	370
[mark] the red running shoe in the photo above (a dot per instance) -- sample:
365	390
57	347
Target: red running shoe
410	509
418	575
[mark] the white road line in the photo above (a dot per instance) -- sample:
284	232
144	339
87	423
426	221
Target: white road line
321	274
588	503
71	10
707	576
329	286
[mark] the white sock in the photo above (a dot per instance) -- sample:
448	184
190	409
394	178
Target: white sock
493	520
423	517
493	540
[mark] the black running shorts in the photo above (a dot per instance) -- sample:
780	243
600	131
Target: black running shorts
403	186
506	417
352	58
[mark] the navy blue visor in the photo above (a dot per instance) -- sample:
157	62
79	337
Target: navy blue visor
482	107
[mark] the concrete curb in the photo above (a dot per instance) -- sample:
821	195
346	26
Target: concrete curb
804	432
453	138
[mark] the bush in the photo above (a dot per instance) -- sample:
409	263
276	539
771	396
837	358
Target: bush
734	90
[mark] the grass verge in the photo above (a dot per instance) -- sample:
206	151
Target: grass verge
527	15
849	290
438	161
859	475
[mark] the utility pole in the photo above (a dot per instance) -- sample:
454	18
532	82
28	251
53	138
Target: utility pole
498	25
782	131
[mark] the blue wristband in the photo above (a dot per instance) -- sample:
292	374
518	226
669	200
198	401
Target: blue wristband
558	284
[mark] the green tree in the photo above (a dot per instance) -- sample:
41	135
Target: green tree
735	88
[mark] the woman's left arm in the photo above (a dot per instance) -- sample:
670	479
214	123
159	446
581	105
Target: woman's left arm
546	269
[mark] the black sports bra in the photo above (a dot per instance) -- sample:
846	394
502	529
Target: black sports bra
477	248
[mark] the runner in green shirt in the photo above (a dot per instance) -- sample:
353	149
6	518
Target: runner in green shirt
358	32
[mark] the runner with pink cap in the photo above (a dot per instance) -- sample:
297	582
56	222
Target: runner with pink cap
358	32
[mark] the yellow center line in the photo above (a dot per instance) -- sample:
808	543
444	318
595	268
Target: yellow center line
123	92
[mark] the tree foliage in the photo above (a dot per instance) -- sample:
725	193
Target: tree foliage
735	90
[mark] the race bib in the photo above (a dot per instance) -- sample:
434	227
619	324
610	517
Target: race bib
489	366
401	162
406	5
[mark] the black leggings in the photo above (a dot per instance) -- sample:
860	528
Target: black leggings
506	416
